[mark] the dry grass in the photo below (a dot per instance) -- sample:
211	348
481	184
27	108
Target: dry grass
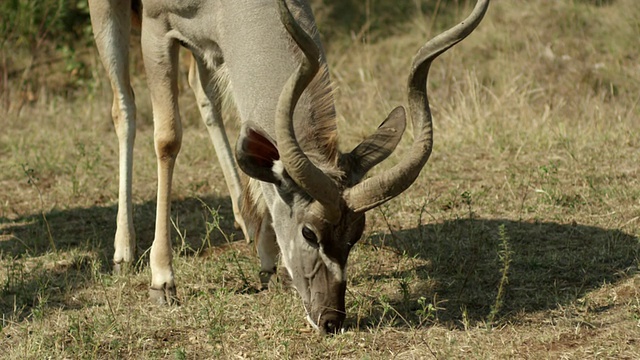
535	166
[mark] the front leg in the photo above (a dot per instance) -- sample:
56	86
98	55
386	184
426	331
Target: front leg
111	26
161	61
209	102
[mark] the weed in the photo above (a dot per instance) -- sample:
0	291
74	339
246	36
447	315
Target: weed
83	166
182	235
428	311
214	225
466	323
505	256
15	277
32	180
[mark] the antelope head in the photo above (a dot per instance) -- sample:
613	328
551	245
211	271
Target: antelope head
317	204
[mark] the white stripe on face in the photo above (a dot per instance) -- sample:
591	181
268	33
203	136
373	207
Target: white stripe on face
334	268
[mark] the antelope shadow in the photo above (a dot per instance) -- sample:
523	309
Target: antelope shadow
94	227
550	264
89	232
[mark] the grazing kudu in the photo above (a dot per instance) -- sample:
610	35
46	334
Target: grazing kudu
305	200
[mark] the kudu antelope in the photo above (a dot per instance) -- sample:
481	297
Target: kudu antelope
305	200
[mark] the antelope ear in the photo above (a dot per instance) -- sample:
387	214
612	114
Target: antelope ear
379	145
257	154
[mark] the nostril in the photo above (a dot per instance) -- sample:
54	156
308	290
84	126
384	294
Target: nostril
331	326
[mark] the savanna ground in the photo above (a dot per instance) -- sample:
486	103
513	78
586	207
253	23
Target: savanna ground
519	240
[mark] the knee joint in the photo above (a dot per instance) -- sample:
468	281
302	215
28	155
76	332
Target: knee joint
168	146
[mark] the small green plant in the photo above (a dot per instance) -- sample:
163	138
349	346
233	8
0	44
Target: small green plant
466	322
384	302
548	181
85	164
42	300
182	235
504	254
467	200
33	180
180	354
15	277
405	290
549	171
214	224
428	311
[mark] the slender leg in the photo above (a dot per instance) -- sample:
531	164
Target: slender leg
209	98
111	22
161	62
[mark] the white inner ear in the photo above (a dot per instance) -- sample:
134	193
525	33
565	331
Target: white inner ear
278	169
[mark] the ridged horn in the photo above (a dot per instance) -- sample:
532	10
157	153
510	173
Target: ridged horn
309	177
385	186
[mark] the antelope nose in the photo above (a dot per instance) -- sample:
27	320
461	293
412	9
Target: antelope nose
331	326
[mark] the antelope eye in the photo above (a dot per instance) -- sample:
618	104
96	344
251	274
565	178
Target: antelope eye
310	236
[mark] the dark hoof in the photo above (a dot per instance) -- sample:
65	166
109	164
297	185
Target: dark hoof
164	296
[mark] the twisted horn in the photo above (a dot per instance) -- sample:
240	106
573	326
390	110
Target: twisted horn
389	184
311	179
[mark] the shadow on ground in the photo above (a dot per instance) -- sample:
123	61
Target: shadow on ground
95	227
83	239
461	260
